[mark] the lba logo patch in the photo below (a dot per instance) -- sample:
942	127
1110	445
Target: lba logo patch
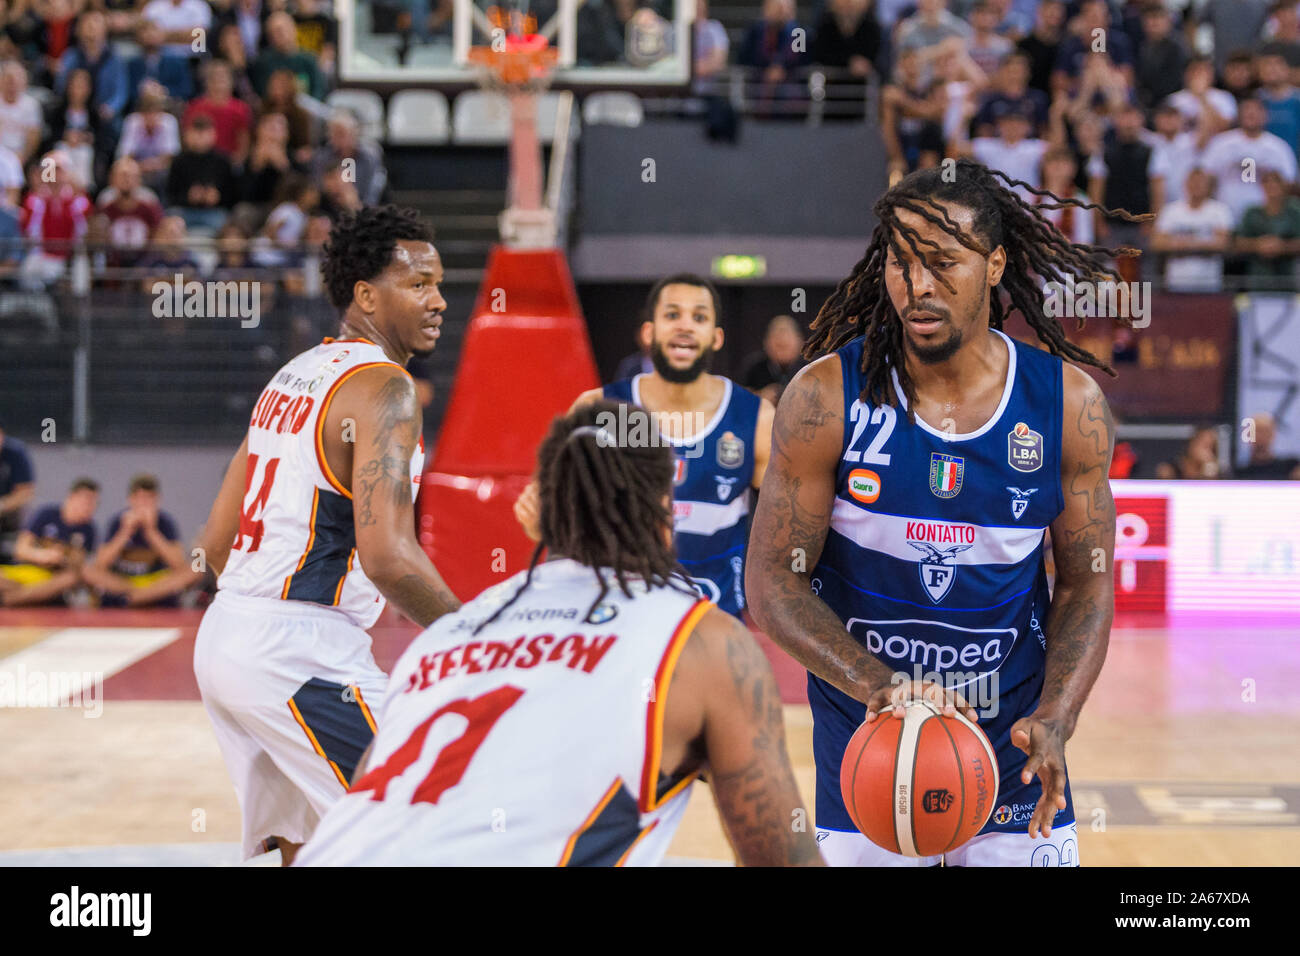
1024	448
946	473
731	451
936	801
864	485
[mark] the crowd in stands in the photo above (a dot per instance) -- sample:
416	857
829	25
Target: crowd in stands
1184	110
137	127
53	553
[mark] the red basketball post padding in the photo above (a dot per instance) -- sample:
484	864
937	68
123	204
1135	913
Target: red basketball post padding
525	358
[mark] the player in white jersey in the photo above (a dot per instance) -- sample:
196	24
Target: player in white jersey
560	717
313	529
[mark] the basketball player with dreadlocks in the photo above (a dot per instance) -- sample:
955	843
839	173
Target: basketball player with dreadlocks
313	529
917	464
720	434
561	716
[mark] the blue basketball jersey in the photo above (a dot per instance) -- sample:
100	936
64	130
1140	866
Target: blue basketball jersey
711	493
934	562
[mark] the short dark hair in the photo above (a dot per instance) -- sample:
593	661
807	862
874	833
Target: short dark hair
682	278
84	484
143	482
361	246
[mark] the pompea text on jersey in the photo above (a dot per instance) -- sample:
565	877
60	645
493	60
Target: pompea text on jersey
280	413
476	657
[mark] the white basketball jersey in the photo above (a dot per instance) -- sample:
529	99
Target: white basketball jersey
296	538
535	742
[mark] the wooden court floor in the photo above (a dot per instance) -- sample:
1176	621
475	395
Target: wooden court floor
1188	752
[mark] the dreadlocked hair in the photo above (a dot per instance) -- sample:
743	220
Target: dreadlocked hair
606	499
1036	252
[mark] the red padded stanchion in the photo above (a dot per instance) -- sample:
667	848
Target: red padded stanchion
525	358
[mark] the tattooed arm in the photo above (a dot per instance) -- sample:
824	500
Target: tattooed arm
789	530
1083	601
724	711
372	428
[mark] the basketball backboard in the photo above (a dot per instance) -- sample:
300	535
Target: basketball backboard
601	43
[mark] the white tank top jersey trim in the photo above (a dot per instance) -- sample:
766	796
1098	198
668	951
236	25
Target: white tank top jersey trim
296	539
535	742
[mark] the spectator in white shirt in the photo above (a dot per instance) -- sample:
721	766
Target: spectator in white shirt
1200	102
151	137
21	119
179	19
1238	158
1174	151
1194	233
1014	151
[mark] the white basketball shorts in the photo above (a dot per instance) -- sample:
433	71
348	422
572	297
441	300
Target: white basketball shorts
292	690
840	848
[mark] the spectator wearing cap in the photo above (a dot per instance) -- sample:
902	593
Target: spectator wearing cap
92	53
1200	103
1194	233
21	118
1043	44
162	66
282	53
142	547
51	549
17	489
1174	152
1284	39
1269	236
1080	45
181	22
232	117
131	213
1280	98
1011	92
1014	151
1161	57
343	142
200	183
1250	147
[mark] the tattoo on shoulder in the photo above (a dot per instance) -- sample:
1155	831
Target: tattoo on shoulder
386	474
804	411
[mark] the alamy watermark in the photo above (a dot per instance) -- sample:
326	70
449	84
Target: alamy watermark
20	687
1086	299
212	299
633	427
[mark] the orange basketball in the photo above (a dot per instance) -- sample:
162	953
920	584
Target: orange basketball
920	785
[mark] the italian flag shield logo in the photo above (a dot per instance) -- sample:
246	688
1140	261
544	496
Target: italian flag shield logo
946	473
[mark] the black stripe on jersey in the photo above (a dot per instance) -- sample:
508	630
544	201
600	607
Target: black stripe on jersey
334	716
610	834
325	564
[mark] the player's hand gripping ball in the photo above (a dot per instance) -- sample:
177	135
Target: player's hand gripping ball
921	785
